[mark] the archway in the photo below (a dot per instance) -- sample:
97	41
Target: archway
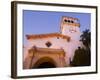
45	62
46	65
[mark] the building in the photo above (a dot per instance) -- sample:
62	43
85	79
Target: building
53	49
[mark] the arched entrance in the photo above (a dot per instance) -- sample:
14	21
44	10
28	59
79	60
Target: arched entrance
46	65
45	62
45	58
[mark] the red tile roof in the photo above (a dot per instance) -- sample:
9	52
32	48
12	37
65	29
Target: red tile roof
36	36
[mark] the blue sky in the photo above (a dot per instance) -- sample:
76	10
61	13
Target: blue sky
39	22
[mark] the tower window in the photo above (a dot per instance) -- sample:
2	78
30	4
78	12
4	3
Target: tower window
72	21
65	20
69	21
48	44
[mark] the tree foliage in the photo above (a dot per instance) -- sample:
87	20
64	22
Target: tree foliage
86	38
81	58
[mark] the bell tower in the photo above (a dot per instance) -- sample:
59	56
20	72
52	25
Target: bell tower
70	26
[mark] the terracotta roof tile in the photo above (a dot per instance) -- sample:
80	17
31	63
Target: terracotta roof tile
36	36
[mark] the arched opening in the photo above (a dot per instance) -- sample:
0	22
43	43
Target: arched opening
46	65
45	62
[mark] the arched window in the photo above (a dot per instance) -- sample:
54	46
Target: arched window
65	20
72	21
69	21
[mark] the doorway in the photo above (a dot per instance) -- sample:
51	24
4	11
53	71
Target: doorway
45	62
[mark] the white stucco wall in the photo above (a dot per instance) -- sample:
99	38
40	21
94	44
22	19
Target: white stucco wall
67	30
69	47
56	43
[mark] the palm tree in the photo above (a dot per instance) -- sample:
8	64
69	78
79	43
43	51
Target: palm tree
85	38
